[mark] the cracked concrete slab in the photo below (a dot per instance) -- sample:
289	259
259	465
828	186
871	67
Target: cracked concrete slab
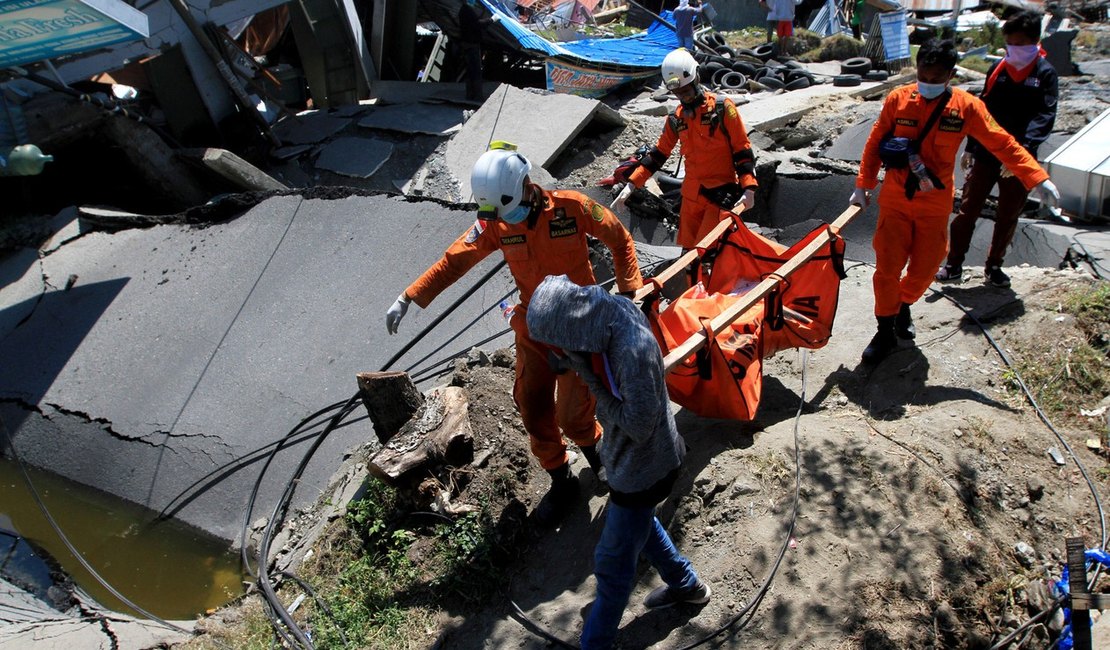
433	119
23	285
510	114
310	128
355	157
181	353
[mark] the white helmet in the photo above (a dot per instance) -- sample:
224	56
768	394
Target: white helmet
497	181
679	69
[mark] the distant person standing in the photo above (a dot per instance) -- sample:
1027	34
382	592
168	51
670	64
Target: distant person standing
856	20
782	16
470	30
684	15
1020	94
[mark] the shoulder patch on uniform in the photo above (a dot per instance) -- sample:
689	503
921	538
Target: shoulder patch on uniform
597	212
730	109
475	231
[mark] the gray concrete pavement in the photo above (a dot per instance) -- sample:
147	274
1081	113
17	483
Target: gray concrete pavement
179	352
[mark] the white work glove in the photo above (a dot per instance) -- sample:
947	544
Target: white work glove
622	197
495	18
748	199
1048	194
396	313
966	161
859	197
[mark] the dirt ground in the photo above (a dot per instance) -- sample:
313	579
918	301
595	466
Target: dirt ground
928	501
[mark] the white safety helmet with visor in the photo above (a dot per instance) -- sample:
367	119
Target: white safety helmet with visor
497	182
679	69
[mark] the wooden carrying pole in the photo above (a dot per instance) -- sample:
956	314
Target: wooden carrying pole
689	256
726	317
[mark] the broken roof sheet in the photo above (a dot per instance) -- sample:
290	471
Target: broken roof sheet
645	50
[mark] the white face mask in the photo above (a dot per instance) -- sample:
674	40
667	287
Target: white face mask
1020	56
930	91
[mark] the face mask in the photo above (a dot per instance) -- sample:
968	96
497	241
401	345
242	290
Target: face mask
1020	56
930	91
517	214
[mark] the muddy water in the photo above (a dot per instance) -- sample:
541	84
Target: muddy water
172	570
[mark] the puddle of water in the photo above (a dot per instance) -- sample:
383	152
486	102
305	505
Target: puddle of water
170	569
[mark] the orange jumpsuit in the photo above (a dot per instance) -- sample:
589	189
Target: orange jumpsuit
916	230
717	152
555	244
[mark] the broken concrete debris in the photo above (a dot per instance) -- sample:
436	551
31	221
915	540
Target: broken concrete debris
356	157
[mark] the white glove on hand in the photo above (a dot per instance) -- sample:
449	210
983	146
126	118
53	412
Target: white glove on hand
622	197
396	313
859	197
495	18
748	199
1048	194
966	161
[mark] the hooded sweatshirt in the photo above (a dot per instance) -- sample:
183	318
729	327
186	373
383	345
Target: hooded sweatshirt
641	445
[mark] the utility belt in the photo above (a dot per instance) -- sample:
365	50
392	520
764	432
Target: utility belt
723	196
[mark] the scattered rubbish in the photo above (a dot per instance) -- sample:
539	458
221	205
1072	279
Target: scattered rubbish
1056	455
1092	413
1094	443
793	542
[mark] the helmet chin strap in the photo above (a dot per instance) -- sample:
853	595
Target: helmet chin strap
698	100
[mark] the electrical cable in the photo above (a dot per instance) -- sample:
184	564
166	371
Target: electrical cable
320	602
277	515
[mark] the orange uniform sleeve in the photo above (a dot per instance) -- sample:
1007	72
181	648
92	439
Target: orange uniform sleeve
471	247
604	225
868	177
743	158
663	148
1002	145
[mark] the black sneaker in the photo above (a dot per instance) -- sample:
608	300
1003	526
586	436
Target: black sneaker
558	502
949	273
669	596
996	277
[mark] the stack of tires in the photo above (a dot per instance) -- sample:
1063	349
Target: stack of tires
731	69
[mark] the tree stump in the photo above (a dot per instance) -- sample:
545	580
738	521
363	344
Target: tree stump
439	433
390	398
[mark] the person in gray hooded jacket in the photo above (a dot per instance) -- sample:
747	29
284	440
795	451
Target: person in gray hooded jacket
608	342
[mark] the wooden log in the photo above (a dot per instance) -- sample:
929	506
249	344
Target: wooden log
439	433
726	317
390	398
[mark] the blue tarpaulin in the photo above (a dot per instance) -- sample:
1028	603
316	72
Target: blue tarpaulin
642	51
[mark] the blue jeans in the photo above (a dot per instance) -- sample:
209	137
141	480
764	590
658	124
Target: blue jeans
687	42
627	533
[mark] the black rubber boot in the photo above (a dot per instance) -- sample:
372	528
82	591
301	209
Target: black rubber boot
559	500
592	457
883	343
903	323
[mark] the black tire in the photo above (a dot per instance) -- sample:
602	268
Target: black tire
717	80
764	52
726	52
794	64
772	82
744	51
846	80
877	75
701	57
715	39
734	80
705	72
719	59
761	72
792	75
856	65
798	83
744	68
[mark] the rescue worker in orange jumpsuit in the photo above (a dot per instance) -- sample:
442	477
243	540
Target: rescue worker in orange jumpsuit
916	199
540	233
720	165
